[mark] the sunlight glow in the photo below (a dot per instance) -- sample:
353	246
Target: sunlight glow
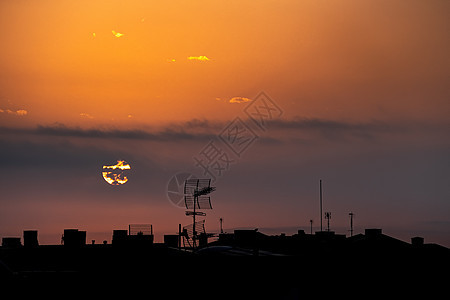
239	100
20	112
200	58
117	34
121	164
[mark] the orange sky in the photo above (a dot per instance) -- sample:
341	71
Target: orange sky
353	79
346	59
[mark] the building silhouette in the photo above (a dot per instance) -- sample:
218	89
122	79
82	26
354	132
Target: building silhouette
245	264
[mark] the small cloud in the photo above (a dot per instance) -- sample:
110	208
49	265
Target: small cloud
85	115
19	112
94	35
200	58
116	34
130	116
171	60
239	100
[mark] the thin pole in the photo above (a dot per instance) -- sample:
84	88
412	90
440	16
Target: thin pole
328	216
194	233
179	236
321	205
351	223
311	221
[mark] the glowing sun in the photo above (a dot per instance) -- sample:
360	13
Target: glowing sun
114	174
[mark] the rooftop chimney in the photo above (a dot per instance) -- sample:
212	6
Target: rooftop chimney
417	241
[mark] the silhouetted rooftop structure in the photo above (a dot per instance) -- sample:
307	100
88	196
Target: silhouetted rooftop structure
74	238
131	254
30	238
11	242
172	240
137	235
417	241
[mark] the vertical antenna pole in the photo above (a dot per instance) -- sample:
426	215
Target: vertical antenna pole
194	233
221	227
328	217
320	204
311	221
179	236
351	223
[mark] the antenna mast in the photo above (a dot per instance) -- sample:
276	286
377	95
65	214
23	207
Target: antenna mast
351	223
196	193
328	217
320	204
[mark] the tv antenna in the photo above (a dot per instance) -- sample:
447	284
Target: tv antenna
188	232
221	225
310	223
351	223
196	197
328	217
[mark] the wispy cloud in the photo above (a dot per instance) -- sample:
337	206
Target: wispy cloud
239	100
19	112
169	133
117	34
328	124
86	115
335	129
200	58
205	130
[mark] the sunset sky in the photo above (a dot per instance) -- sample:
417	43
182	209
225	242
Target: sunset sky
287	92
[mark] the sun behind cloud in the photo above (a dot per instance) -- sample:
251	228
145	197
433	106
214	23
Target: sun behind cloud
116	176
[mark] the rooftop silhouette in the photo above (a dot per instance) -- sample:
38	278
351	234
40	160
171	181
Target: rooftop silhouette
18	259
241	265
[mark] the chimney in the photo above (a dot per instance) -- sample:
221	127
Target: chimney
30	238
417	241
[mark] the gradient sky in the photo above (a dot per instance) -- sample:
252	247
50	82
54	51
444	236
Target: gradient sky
359	89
